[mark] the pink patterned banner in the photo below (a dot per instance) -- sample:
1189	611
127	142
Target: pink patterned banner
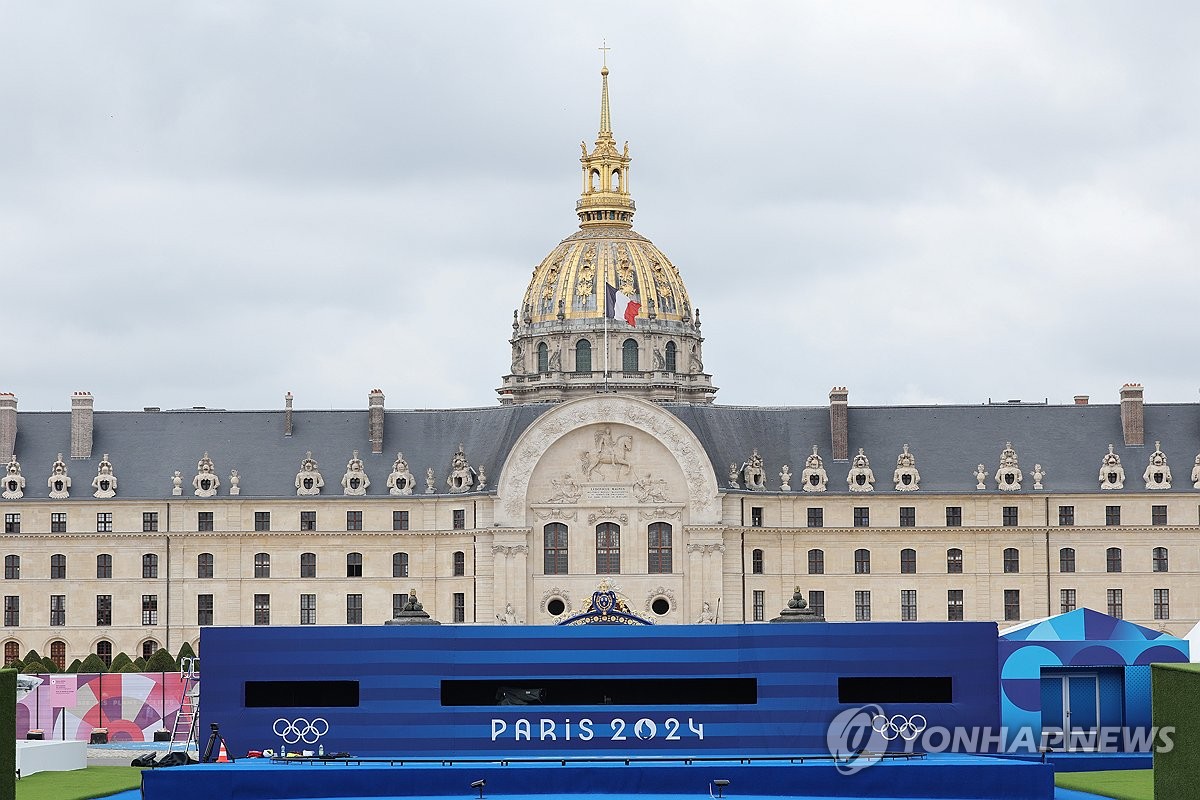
132	705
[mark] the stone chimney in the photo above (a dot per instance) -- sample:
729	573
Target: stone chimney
375	420
1133	423
839	422
1081	399
8	425
81	425
287	414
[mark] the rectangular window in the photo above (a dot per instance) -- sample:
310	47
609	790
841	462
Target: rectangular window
954	605
1158	516
104	522
262	565
1116	603
760	605
1012	604
862	561
12	568
908	560
104	609
862	517
398	602
816	562
1012	560
816	518
460	563
1066	600
204	521
862	606
354	609
262	520
459	521
204	609
149	565
204	565
58	610
659	549
1010	516
1066	559
58	567
149	522
1112	515
608	549
12	611
756	519
149	609
816	601
104	566
399	565
908	517
354	565
555	549
354	521
460	607
262	609
1066	516
908	605
308	565
399	520
1162	603
953	516
308	520
58	522
12	523
954	561
308	609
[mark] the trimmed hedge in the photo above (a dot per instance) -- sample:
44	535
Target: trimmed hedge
185	651
1175	692
119	662
92	664
161	661
8	733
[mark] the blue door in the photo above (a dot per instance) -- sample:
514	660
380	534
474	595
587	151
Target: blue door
1082	710
1070	703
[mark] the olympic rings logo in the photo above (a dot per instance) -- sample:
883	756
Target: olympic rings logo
899	726
300	730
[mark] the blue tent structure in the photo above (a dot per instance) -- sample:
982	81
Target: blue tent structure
1080	671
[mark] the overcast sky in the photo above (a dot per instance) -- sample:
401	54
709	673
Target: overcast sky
212	203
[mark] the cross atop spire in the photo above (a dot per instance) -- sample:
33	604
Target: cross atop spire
604	48
605	199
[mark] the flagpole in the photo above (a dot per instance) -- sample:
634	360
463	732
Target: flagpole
606	339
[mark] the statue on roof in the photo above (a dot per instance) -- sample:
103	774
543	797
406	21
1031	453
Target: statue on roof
355	481
1196	474
1009	476
308	479
14	481
753	473
906	476
461	477
1157	474
105	482
861	478
401	479
1112	474
206	481
59	481
813	476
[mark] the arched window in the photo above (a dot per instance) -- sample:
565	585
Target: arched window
608	548
204	565
616	180
12	652
583	356
12	568
1113	558
149	565
399	565
543	352
908	560
58	654
354	565
460	562
816	562
104	651
671	349
58	566
308	565
149	648
1066	559
593	180
659	548
954	561
262	565
862	561
104	565
1159	559
1012	559
756	562
629	356
554	547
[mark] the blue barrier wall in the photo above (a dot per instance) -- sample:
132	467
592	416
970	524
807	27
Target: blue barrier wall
399	671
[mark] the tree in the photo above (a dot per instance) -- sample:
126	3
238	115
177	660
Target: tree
161	661
32	655
73	667
130	667
185	651
93	663
119	662
140	663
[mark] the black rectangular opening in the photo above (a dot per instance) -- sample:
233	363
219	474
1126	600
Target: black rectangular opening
301	694
896	689
601	692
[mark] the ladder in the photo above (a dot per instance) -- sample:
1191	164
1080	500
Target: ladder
187	721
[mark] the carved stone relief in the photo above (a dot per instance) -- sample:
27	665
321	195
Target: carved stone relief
308	479
906	477
813	476
1157	474
658	513
401	480
649	489
1196	474
861	478
206	482
706	549
355	481
753	473
59	481
509	550
562	595
565	489
461	477
733	477
104	485
14	481
554	513
655	594
1008	477
608	513
610	457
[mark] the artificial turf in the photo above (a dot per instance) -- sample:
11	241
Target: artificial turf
1121	784
79	784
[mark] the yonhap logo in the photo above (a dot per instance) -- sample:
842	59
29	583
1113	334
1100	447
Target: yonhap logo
300	730
853	739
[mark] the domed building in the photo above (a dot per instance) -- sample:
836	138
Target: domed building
564	344
606	462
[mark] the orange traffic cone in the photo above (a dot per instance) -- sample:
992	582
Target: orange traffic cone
222	757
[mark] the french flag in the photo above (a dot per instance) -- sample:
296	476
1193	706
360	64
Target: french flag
620	305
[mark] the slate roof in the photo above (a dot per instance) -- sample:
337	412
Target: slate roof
146	447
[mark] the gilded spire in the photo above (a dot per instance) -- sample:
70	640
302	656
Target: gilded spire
605	199
605	121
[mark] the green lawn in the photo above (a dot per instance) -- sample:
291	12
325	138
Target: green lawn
79	784
1122	784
